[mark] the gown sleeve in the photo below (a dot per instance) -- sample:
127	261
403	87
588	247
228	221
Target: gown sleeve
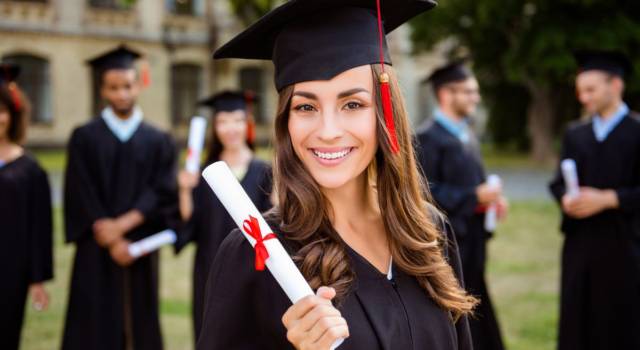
41	259
629	197
82	206
557	186
266	188
188	231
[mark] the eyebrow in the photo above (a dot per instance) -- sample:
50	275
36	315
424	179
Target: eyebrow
341	95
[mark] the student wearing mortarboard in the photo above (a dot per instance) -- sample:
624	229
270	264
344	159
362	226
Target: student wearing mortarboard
119	188
600	304
26	259
450	158
352	209
206	221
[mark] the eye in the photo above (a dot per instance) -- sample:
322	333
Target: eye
305	107
353	105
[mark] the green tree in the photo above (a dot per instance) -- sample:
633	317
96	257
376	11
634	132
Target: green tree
527	45
250	10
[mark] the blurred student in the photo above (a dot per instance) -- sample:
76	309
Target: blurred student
450	158
600	297
26	258
120	180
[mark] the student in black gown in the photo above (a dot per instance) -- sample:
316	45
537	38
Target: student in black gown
206	222
450	159
119	187
26	259
600	304
351	207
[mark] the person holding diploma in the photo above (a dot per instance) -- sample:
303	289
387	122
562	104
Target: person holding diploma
352	209
450	158
206	222
119	187
600	308
26	256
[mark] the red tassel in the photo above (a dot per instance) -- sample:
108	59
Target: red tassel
15	96
251	131
387	109
145	74
249	98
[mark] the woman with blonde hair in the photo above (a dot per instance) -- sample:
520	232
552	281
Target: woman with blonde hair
352	209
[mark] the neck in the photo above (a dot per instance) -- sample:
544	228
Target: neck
610	110
124	115
237	155
450	113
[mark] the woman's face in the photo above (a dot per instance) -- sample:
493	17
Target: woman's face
4	122
231	128
332	125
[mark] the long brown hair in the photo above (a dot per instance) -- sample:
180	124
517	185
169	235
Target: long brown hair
416	241
18	114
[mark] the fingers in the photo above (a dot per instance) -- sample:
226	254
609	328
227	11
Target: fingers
298	310
324	325
326	293
332	335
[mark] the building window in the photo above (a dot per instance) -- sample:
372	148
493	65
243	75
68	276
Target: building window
252	78
186	7
34	81
112	4
185	91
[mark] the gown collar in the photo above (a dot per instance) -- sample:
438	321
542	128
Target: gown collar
123	129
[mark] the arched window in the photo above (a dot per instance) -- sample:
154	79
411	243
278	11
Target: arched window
185	91
35	82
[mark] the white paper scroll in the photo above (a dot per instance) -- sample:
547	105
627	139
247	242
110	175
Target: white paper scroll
491	216
570	175
152	243
231	194
197	131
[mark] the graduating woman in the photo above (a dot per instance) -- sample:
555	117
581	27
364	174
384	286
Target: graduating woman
25	216
352	209
206	222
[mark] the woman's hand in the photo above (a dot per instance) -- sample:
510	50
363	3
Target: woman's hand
313	323
187	181
39	296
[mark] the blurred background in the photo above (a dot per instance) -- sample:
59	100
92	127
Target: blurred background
520	50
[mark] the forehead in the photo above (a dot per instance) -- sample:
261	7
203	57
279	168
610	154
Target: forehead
358	77
117	75
591	78
225	115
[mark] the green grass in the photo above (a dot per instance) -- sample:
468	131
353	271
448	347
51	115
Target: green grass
523	279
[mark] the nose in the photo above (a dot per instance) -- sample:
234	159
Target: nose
330	127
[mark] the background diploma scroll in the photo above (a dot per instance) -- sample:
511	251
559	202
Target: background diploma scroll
491	216
570	175
231	194
152	243
197	130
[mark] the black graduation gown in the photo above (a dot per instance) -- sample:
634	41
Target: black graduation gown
600	297
454	170
210	224
111	307
244	307
26	250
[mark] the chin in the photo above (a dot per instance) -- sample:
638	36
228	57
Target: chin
330	181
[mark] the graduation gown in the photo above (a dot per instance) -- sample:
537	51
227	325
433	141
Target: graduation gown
210	224
26	249
600	304
454	170
244	307
111	307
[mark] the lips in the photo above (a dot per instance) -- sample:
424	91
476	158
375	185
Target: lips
331	154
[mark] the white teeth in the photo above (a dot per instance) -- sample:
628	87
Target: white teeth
333	155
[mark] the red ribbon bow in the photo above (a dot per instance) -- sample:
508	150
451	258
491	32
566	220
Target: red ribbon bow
252	228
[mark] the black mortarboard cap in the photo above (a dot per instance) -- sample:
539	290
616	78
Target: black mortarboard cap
121	57
226	101
612	62
450	73
8	72
319	39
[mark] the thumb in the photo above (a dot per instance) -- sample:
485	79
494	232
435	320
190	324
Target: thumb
326	293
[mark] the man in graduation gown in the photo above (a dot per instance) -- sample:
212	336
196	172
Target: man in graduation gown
600	297
450	158
119	188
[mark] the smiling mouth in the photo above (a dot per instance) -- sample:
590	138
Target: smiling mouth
332	155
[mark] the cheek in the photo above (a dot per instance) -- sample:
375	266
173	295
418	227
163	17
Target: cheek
299	131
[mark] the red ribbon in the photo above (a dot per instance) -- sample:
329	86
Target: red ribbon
385	89
252	228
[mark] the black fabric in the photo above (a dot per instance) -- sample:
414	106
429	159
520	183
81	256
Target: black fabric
210	224
226	101
104	179
319	39
26	254
608	61
600	308
244	308
450	73
453	171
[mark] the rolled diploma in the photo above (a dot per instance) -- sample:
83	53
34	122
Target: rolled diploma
231	194
490	218
570	175
152	243
197	131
